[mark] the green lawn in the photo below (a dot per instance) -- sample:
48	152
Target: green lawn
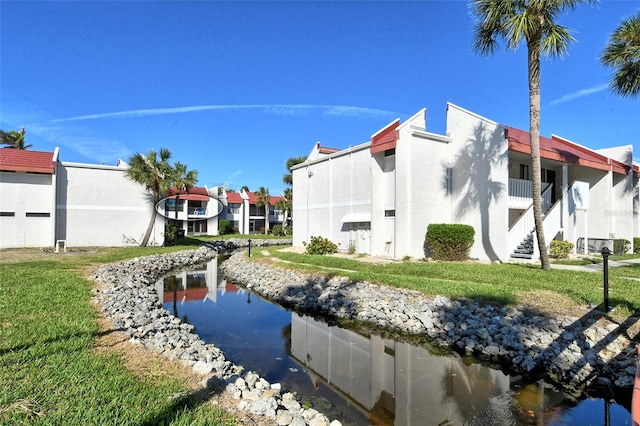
51	374
49	370
502	283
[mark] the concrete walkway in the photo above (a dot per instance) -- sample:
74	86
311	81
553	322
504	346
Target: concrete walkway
596	267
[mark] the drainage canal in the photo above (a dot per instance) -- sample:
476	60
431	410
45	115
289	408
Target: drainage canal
363	378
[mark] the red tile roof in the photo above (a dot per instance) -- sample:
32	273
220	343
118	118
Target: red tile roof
234	197
197	193
386	138
326	150
562	150
23	160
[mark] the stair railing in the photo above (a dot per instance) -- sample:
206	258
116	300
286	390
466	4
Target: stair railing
526	223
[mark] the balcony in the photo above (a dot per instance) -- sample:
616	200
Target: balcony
521	193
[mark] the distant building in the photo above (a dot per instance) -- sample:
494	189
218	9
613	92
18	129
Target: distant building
244	214
45	202
380	196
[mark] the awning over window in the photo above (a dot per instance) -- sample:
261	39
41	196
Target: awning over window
356	217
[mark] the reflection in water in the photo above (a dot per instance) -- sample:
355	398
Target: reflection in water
364	378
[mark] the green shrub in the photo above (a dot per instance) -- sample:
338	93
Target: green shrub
560	249
449	241
277	231
224	227
621	246
320	245
352	247
288	230
170	235
636	245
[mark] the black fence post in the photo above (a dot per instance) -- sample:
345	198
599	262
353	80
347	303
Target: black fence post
249	248
605	258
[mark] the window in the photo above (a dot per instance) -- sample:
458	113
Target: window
390	152
37	214
390	213
170	205
197	227
234	208
524	171
7	214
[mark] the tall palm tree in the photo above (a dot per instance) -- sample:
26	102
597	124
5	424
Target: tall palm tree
623	55
154	172
183	180
13	139
531	22
292	161
263	199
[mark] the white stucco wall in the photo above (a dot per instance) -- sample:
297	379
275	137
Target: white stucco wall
422	189
594	222
479	181
28	196
100	206
328	188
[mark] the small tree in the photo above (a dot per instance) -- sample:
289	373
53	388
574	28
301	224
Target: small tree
263	199
284	204
183	180
152	171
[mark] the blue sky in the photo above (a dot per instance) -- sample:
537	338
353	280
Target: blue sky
233	89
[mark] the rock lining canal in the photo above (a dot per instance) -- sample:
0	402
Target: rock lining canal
354	376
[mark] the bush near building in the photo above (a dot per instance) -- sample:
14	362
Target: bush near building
320	245
621	246
224	227
560	249
450	242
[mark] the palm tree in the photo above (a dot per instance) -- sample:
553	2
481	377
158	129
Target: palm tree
623	55
183	180
13	139
263	199
531	22
292	161
284	204
288	179
154	172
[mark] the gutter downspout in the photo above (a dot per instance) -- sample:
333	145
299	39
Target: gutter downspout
54	207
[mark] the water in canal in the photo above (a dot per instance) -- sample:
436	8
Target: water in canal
363	378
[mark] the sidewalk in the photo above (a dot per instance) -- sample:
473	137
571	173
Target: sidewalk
595	267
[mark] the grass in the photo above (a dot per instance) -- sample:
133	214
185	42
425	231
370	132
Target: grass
53	373
506	284
50	370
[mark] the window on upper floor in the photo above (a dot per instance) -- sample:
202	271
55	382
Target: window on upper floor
524	171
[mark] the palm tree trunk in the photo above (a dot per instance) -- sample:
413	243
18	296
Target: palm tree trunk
266	219
147	234
533	50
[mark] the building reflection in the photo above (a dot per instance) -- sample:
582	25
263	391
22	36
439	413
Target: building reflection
199	283
402	384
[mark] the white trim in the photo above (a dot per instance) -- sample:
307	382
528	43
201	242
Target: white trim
356	217
111	208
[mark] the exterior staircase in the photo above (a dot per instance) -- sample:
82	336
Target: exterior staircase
522	234
525	248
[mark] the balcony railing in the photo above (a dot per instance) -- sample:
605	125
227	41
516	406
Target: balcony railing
521	194
197	211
